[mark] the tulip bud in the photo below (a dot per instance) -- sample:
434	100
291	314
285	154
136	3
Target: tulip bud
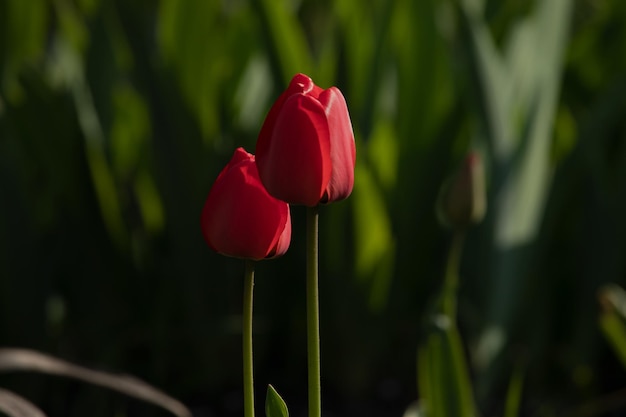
240	218
305	150
462	200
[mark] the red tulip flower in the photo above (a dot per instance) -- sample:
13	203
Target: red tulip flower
305	151
240	218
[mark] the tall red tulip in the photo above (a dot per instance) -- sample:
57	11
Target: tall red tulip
305	150
240	218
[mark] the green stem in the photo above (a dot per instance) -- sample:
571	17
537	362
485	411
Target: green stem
451	280
248	384
312	307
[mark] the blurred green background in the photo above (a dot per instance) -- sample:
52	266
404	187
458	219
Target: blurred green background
116	117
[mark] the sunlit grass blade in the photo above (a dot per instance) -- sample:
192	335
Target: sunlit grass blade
613	328
14	405
374	242
613	319
517	104
287	41
68	69
514	394
32	361
414	410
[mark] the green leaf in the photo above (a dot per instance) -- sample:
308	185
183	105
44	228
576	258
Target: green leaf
615	332
517	102
274	404
613	319
443	376
287	39
374	242
382	153
22	42
514	393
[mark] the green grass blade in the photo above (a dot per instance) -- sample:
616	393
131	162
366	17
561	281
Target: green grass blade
514	394
612	319
517	98
288	45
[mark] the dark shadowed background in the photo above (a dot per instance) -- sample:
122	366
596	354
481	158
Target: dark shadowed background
116	117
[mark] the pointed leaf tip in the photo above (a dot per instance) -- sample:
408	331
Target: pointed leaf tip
274	404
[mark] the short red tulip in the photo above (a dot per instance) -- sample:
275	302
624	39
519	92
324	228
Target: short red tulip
305	151
240	218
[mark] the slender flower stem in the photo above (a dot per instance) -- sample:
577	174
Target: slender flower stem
451	283
248	384
312	307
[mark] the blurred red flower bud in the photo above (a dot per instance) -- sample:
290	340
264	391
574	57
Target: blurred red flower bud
240	218
305	150
462	201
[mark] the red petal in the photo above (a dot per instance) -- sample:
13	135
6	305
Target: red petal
240	218
300	83
342	147
284	239
294	163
